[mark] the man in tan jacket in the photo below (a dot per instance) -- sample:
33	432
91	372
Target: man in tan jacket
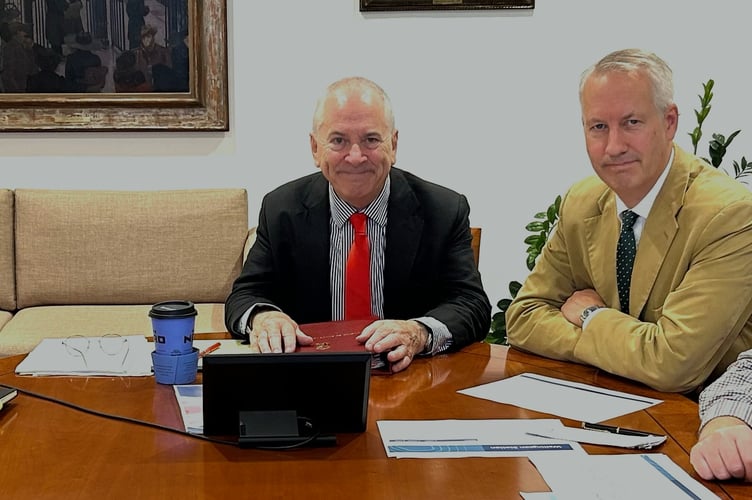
677	310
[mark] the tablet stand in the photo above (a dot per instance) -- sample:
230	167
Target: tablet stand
278	429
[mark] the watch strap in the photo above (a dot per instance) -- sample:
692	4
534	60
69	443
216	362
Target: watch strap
588	311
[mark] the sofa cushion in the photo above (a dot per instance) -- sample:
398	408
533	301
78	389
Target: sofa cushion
29	326
7	259
128	247
5	316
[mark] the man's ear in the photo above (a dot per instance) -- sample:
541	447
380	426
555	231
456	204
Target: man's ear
314	148
671	116
395	136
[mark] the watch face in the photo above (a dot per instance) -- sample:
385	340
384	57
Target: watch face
587	312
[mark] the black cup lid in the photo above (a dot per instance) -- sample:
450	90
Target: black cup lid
173	309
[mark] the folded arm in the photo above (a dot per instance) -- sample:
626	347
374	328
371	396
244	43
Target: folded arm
703	296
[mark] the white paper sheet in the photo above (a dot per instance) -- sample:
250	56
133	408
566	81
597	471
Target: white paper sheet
618	477
226	346
191	402
470	438
601	438
560	397
89	356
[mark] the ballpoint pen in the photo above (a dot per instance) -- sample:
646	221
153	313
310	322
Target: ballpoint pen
209	349
615	430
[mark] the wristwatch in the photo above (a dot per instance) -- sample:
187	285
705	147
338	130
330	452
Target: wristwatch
588	311
429	342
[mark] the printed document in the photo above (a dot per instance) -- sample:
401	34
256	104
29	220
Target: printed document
601	438
191	402
617	477
561	397
471	438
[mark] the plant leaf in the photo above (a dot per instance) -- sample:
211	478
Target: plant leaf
531	261
535	227
503	304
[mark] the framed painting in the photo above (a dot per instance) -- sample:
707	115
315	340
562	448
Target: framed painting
113	65
404	5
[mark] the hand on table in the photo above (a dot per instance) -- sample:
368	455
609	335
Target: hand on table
724	450
275	331
403	340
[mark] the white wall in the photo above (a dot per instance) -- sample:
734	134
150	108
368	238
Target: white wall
485	102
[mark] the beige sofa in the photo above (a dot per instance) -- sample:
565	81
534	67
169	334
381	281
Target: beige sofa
93	262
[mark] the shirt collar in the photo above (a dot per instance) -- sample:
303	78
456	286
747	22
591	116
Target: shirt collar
376	210
642	209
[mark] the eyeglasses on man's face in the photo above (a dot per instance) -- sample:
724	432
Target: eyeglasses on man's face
338	143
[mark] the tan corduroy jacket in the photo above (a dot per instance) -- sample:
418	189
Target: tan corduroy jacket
691	291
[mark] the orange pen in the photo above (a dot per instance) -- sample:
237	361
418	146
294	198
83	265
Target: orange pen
209	349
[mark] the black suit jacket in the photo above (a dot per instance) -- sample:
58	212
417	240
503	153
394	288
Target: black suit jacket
428	265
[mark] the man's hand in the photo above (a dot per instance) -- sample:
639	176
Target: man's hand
402	340
724	450
577	302
275	331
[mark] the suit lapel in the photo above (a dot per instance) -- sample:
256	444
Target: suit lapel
659	232
601	235
312	232
403	233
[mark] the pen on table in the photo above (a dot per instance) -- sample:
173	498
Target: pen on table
615	430
209	349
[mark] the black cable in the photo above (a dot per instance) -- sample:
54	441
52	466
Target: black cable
307	423
118	417
299	444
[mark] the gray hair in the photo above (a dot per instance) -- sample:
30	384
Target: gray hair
633	61
353	84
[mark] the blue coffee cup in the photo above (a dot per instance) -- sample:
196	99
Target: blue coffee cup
173	323
175	369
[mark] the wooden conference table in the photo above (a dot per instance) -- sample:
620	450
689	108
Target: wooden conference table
51	451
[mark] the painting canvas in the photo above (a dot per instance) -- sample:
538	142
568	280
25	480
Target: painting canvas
113	65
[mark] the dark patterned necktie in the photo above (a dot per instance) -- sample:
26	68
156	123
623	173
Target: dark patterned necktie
625	255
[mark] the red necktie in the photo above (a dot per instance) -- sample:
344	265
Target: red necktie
358	274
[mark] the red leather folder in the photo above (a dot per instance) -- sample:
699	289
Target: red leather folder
339	336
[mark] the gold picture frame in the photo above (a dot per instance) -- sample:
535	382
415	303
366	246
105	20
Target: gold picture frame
414	5
204	107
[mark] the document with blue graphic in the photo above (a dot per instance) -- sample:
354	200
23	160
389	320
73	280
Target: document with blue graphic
471	438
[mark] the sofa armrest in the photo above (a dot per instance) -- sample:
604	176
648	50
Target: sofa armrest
7	251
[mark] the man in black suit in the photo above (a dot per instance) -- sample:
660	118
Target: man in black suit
426	292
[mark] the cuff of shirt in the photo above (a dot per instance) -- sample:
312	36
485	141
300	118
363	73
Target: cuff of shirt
736	409
243	325
442	338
